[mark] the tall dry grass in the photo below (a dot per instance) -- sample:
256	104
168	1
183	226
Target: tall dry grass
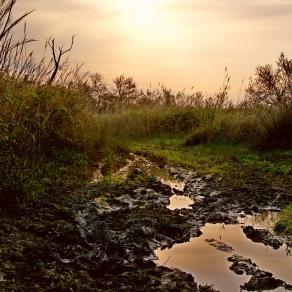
36	123
48	107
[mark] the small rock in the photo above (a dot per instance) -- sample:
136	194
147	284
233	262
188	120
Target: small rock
67	261
255	209
220	245
219	218
8	267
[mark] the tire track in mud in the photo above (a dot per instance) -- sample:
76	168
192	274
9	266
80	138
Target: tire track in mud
132	222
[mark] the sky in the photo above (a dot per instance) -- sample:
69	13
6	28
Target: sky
180	43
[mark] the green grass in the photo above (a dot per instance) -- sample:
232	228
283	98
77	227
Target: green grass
284	221
39	121
47	134
215	158
45	180
275	162
204	158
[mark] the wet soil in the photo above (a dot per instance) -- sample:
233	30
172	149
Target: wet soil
206	258
104	238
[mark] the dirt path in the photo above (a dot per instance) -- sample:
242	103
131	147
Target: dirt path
103	240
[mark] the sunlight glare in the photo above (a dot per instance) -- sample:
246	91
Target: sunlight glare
139	7
147	20
141	12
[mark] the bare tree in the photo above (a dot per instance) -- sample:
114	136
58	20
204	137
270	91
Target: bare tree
99	93
272	86
125	89
57	55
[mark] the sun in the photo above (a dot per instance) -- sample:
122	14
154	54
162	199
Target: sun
138	5
146	20
140	11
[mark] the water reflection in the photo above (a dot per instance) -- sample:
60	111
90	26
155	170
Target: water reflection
180	202
209	265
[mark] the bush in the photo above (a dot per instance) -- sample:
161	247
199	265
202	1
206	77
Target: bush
275	129
227	126
201	135
146	122
262	128
36	122
272	86
284	221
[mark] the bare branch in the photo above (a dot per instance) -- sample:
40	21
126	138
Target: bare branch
57	57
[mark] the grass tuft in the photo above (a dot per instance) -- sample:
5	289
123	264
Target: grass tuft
284	222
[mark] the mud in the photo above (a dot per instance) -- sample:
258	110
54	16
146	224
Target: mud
260	280
220	245
262	236
104	239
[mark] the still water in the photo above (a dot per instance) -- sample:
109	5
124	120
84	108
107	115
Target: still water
180	202
210	266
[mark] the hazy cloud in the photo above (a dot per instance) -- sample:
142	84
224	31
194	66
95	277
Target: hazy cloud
248	9
184	42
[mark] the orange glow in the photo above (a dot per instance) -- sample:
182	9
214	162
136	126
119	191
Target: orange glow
181	43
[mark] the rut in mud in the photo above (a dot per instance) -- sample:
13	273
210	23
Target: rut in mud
161	213
107	238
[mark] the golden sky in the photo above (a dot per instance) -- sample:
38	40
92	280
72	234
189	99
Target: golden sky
181	43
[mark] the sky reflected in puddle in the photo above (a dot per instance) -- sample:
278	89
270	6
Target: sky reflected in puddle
180	202
210	266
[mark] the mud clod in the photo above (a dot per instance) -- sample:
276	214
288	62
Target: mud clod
262	236
260	280
220	245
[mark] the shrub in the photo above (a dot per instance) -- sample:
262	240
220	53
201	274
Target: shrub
284	221
36	122
201	135
275	129
272	86
227	126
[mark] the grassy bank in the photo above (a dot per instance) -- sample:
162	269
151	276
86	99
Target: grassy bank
248	147
284	222
259	127
47	136
216	157
48	130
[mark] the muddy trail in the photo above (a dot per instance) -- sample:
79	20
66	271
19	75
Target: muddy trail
113	237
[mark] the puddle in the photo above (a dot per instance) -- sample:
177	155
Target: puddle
210	266
177	201
180	202
278	290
